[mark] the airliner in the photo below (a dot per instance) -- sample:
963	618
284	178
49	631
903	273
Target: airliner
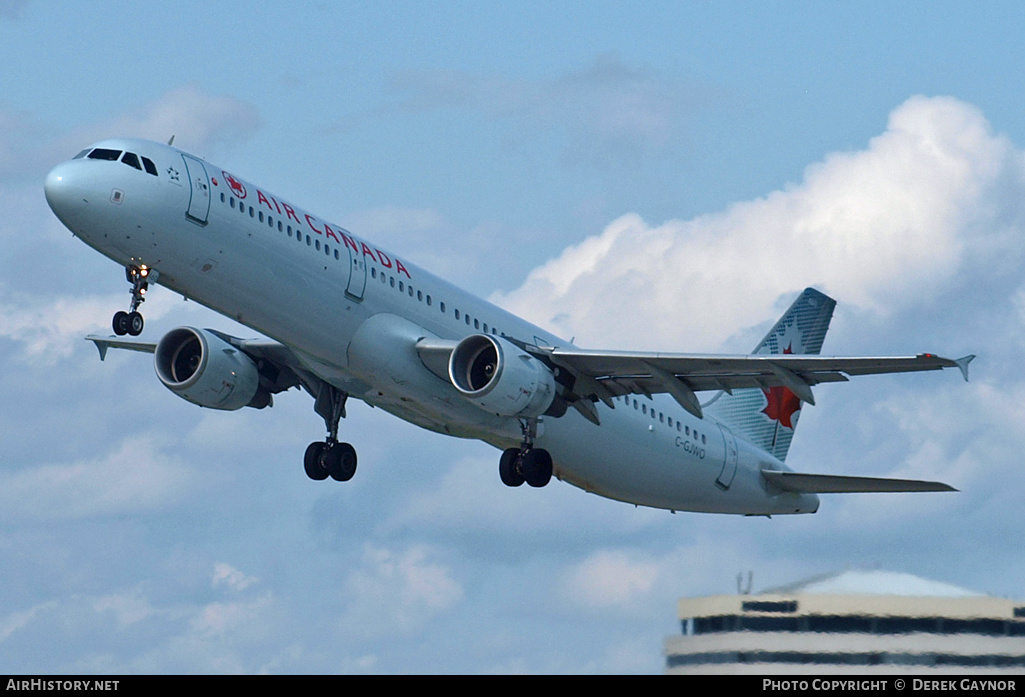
339	316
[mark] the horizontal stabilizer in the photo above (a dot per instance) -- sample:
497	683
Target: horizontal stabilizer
839	484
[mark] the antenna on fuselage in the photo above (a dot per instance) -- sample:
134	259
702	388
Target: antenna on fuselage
170	140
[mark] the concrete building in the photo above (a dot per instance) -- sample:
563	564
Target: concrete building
869	622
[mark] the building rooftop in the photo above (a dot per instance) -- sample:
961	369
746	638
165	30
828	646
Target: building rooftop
871	582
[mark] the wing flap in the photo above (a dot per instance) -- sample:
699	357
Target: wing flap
804	483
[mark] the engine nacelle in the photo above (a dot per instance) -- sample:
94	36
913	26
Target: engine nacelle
500	378
199	366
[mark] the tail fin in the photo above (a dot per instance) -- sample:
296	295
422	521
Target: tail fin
767	417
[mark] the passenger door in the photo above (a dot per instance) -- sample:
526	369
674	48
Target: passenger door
199	201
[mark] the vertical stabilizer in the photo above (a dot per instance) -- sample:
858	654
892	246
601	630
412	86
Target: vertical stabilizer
767	417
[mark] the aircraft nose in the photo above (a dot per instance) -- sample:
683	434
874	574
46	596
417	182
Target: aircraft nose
64	192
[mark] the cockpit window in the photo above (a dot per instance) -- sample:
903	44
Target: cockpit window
128	158
104	154
132	160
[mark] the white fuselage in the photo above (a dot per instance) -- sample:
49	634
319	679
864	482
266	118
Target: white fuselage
351	312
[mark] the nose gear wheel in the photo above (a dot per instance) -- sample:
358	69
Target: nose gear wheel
131	322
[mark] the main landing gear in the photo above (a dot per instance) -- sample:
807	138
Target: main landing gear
330	458
131	322
526	463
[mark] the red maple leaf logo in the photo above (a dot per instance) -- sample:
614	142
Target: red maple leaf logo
782	403
236	186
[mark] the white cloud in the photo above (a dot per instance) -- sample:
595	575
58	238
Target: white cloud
235	619
134	478
227	576
16	621
609	578
50	328
200	122
397	592
883	229
128	607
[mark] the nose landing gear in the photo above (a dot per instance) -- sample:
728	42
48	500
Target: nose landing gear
131	322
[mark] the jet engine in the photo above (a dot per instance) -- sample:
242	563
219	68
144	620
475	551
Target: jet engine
500	378
199	366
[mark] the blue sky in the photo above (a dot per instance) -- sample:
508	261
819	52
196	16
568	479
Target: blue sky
649	175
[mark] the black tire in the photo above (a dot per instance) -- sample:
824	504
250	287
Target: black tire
120	324
537	467
135	323
508	469
340	461
312	461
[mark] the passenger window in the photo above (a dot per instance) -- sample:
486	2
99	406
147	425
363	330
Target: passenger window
150	167
104	154
132	160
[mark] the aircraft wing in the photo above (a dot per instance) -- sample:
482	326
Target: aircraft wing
279	367
838	484
608	374
103	343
